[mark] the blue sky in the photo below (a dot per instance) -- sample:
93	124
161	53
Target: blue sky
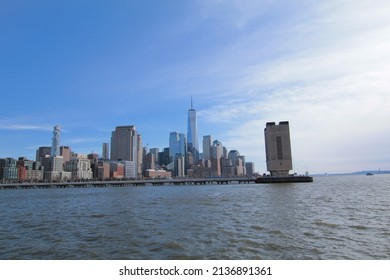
93	65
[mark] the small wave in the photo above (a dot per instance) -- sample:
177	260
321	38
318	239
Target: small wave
248	250
168	245
359	227
276	232
325	224
173	245
258	228
97	216
386	233
251	243
334	238
274	247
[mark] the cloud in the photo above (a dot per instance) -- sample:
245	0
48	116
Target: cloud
234	13
8	126
331	82
81	140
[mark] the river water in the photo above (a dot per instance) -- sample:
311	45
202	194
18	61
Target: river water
335	217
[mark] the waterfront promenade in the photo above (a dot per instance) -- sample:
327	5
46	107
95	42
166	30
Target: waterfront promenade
124	183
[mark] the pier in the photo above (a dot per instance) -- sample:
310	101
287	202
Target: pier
125	183
158	182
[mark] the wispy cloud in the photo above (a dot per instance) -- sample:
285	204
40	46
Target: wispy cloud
9	126
81	140
331	81
234	13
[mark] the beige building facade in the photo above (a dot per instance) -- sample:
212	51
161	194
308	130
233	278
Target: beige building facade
278	148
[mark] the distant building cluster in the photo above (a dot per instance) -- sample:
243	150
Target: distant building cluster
126	158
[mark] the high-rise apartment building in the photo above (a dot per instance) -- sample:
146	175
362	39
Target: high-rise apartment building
192	133
278	148
55	146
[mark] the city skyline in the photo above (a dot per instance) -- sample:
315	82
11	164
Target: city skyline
93	66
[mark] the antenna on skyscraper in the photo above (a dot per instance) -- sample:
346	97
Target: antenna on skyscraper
191	104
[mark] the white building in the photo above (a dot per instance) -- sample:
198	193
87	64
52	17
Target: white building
80	168
130	169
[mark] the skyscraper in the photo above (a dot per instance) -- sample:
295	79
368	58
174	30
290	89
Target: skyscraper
66	153
42	152
124	144
179	164
154	152
233	157
216	155
192	133
177	144
250	168
207	142
105	150
55	146
139	154
278	148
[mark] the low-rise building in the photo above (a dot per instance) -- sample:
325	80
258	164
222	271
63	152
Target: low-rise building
130	169
154	174
29	171
8	170
80	168
103	171
117	170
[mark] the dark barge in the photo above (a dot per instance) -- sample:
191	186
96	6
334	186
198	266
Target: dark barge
283	179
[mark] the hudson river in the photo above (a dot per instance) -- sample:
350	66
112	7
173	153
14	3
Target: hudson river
335	217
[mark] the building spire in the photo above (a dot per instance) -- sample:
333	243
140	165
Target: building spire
192	108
